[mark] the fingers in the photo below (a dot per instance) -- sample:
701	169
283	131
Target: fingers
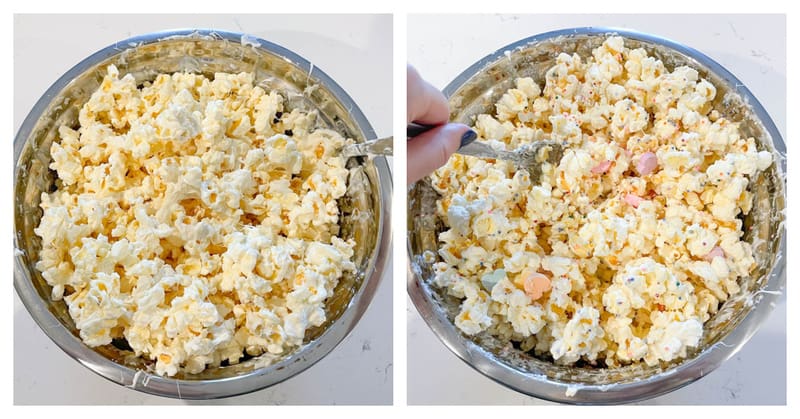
425	104
429	151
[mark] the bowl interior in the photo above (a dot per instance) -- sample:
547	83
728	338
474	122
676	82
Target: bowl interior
275	69
475	92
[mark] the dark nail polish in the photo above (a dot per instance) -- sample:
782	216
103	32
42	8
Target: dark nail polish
468	137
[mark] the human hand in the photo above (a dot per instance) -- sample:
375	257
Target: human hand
426	105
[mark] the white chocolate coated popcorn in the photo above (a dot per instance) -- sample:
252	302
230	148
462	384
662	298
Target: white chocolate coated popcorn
196	218
637	229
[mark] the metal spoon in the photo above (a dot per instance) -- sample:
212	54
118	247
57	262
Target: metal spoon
529	156
379	147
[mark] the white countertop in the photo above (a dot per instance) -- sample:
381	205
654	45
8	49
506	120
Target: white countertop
752	47
354	50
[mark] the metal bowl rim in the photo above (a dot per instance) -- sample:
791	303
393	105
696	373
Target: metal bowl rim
688	371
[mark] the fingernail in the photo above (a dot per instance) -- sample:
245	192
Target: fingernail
468	137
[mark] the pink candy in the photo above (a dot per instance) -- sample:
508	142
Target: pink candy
633	200
647	163
602	167
715	252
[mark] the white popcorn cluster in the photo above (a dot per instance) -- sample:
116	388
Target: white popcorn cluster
621	251
195	218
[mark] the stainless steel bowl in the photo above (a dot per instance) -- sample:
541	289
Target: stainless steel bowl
365	207
475	91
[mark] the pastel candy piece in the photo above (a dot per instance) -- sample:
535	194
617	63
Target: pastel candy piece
536	284
647	163
633	200
602	167
715	252
491	279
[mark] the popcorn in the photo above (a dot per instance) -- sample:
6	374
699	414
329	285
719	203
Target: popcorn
474	316
580	336
194	218
635	228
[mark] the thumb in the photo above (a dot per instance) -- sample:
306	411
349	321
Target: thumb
430	150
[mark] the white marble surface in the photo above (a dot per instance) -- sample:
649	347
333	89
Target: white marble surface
354	50
751	47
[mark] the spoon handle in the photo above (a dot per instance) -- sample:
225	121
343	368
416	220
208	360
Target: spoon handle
484	150
414	129
379	147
